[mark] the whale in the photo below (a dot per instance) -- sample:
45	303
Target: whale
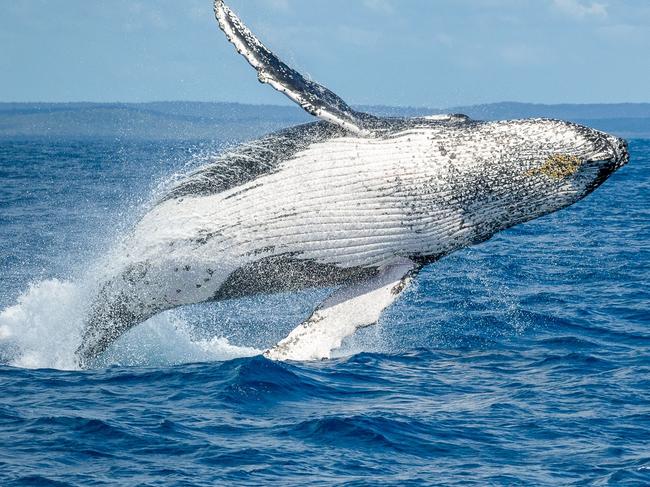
351	202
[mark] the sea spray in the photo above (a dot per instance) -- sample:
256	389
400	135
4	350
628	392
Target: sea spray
168	339
43	330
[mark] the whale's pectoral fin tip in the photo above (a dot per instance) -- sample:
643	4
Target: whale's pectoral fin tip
312	97
345	311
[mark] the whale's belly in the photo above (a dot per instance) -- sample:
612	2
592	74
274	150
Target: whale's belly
346	202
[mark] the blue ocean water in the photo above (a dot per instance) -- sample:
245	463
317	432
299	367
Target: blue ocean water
522	361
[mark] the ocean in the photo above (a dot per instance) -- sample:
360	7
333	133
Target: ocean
522	361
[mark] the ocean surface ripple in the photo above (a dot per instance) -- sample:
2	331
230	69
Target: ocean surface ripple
523	361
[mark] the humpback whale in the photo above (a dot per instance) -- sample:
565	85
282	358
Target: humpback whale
351	201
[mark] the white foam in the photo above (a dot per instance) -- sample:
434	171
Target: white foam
166	339
43	330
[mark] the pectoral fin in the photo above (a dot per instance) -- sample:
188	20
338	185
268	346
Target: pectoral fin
345	311
312	97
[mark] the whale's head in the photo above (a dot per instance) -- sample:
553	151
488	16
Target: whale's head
560	163
524	169
573	159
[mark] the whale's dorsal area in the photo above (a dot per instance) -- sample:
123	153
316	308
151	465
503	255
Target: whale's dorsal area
312	97
251	160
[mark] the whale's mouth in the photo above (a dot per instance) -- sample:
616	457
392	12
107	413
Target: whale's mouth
612	158
614	152
621	153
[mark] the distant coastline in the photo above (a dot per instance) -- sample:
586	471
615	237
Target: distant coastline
199	120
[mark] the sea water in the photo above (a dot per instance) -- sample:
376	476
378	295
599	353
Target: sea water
522	361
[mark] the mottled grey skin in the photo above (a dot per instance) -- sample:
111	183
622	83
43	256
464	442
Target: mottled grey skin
458	183
505	182
265	155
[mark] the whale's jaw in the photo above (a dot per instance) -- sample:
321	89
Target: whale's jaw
616	156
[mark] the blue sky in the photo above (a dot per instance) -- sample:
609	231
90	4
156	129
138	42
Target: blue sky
435	53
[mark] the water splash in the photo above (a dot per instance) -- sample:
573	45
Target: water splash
167	339
43	330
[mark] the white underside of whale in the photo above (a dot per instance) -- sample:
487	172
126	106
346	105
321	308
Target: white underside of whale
349	202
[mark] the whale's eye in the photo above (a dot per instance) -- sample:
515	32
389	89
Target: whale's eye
557	166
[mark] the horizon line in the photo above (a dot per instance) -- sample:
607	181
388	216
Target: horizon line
292	105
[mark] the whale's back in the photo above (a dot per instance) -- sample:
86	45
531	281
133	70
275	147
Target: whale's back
250	160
